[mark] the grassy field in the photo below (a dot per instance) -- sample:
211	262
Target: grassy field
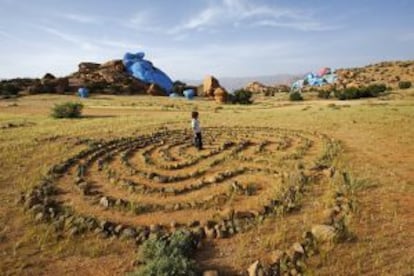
376	136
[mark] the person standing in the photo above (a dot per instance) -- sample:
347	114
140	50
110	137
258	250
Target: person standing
195	125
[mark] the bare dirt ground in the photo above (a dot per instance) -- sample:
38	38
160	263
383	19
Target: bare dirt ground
376	138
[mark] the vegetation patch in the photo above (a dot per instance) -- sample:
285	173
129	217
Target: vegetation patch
295	96
241	96
168	256
351	93
404	84
67	110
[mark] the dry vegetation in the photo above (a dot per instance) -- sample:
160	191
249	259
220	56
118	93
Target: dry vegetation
252	154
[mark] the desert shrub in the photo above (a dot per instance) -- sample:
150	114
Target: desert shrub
168	256
295	96
67	110
269	92
404	84
323	94
168	265
9	89
251	189
373	90
241	96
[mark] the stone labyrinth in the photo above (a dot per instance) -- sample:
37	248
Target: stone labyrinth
154	184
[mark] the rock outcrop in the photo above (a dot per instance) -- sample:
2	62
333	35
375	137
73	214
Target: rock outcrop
267	90
213	90
109	77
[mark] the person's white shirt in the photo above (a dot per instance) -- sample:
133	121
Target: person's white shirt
195	124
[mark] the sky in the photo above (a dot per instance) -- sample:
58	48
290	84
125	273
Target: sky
189	39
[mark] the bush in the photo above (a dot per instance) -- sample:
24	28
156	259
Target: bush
67	110
373	90
295	96
9	89
404	84
323	94
168	265
168	256
241	96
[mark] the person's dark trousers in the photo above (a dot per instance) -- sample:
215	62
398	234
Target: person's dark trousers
198	141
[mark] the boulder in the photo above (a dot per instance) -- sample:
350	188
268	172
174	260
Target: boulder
256	87
210	83
220	95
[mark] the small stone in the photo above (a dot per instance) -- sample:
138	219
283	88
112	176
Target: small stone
104	202
210	273
73	231
154	228
199	232
298	248
128	233
210	233
177	207
118	228
39	216
173	224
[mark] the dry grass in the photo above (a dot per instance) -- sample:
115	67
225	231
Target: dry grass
377	143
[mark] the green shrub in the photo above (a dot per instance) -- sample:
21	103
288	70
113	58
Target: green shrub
373	90
404	84
8	89
323	94
67	110
295	96
241	96
168	256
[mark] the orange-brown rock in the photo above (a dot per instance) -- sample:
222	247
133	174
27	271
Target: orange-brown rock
220	95
256	87
114	65
210	83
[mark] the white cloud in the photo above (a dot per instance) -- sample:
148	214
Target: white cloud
79	41
237	14
80	18
297	25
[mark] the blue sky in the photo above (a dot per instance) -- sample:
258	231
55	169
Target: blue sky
189	39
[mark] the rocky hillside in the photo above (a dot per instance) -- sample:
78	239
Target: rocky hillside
108	78
267	90
112	78
389	73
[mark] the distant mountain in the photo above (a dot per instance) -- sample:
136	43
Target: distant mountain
232	83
